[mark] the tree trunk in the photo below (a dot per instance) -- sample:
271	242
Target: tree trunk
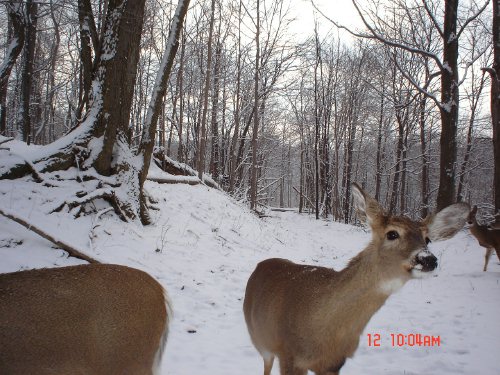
155	105
474	100
234	141
253	181
495	102
378	168
449	107
117	71
348	170
215	152
180	150
424	189
49	110
206	90
88	37
15	46
318	110
27	69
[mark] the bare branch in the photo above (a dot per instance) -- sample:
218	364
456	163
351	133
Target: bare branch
415	84
470	63
376	36
433	18
472	18
391	43
5	140
59	243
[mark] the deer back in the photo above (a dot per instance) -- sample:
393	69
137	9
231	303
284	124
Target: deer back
89	319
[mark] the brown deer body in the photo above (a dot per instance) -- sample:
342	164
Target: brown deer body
95	319
486	237
311	317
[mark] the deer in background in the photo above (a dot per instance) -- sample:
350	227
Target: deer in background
96	319
311	317
487	238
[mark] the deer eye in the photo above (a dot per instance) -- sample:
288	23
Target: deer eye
392	235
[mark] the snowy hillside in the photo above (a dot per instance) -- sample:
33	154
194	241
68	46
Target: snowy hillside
204	246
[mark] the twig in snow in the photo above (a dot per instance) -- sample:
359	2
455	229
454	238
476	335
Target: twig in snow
66	247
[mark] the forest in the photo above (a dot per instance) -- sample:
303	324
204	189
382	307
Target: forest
246	97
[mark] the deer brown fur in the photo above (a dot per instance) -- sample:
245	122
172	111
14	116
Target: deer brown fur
311	317
486	237
95	319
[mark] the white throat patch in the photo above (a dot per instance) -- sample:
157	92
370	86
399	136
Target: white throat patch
391	286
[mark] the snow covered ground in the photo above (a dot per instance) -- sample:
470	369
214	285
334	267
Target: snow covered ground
204	246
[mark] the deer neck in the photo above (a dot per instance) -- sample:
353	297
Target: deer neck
353	296
369	281
478	230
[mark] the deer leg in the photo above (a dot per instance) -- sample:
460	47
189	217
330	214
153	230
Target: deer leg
497	249
287	367
268	364
489	250
334	370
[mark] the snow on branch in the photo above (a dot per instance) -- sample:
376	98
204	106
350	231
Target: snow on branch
71	250
5	139
422	90
164	73
470	63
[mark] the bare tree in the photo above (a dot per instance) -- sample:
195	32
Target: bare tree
494	72
30	23
108	116
391	35
203	134
15	46
255	132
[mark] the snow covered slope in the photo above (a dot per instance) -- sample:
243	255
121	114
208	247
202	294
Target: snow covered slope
204	246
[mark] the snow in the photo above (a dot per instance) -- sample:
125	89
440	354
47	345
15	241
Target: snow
203	247
158	175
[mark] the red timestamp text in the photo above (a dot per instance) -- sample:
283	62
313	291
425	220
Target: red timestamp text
400	339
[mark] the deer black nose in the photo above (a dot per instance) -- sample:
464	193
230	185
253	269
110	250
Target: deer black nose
427	260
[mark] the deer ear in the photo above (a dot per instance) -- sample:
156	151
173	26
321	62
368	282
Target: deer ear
447	222
367	208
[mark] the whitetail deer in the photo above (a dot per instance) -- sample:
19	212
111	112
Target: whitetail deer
95	319
311	317
487	238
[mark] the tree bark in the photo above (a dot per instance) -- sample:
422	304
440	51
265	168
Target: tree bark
253	181
215	152
449	107
15	46
155	105
236	133
424	190
495	102
180	150
88	37
317	114
117	70
27	69
208	73
49	109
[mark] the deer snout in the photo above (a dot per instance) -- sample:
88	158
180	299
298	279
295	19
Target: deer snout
425	261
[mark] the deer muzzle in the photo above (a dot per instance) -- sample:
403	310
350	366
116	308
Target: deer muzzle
425	261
